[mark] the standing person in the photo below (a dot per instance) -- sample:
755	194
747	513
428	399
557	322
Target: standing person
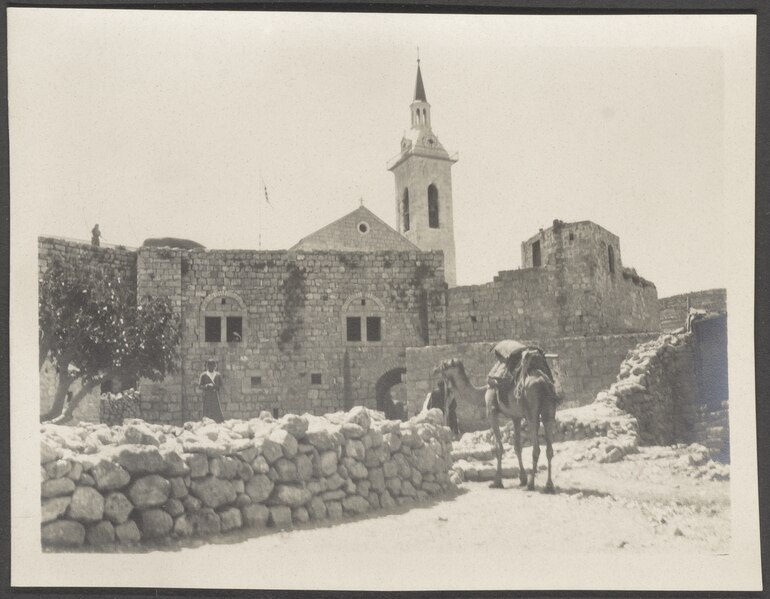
95	235
211	382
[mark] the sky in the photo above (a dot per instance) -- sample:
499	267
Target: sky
161	123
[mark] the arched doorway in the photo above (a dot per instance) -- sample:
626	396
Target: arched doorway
393	410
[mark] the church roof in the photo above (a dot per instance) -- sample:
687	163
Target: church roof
419	88
357	231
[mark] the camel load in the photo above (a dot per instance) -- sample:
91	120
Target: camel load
520	386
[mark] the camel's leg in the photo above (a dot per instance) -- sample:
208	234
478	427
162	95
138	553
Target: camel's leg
533	422
493	414
548	425
517	447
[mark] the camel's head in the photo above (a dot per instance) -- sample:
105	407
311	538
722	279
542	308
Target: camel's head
448	369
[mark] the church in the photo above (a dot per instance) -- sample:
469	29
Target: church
357	313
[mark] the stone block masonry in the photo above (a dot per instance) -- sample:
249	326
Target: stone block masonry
142	483
585	366
674	309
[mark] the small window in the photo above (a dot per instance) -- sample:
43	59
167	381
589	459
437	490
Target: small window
611	258
363	228
275	412
234	328
473	318
536	254
571	236
256	381
405	210
224	301
354	328
213	329
373	328
432	207
315	378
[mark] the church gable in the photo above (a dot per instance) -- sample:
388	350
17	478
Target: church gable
359	231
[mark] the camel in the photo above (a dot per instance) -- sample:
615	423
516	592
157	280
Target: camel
537	400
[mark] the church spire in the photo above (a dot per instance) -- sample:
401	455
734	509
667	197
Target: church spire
419	88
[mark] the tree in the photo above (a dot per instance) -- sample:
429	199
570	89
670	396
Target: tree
92	328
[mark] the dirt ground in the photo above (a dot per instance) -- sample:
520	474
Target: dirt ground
645	503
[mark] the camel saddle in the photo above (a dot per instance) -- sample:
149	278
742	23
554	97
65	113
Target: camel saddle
508	372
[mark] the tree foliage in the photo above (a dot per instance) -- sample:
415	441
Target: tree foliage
92	327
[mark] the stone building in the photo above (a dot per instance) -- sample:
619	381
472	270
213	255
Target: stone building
359	313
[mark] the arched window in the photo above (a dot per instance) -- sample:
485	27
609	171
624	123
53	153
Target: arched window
223	318
432	206
363	319
405	209
611	259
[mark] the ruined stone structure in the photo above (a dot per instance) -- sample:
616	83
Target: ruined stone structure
339	319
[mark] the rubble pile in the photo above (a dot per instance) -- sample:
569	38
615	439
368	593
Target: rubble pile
140	482
114	408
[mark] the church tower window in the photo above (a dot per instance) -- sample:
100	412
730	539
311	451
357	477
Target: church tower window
611	259
405	209
432	207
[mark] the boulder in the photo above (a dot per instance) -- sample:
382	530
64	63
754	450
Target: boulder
355	449
87	505
224	467
300	515
213	492
182	526
174	507
101	534
63	533
175	464
51	509
57	487
356	504
304	467
316	508
271	450
117	507
290	495
108	475
255	515
334	510
230	519
149	491
295	425
260	466
321	438
128	532
178	488
334	481
205	522
359	415
377	479
58	468
49	452
198	464
280	516
138	433
140	459
286	441
327	463
192	504
351	430
286	469
259	488
155	523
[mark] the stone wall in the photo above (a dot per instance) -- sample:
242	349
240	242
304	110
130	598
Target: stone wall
674	309
142	483
294	355
657	385
584	366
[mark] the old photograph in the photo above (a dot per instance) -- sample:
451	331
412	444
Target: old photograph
382	301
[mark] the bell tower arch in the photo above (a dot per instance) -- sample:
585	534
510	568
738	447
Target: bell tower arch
423	177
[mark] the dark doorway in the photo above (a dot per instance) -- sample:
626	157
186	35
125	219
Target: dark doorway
536	254
394	410
711	360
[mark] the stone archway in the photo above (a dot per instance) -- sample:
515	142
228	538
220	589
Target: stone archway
382	388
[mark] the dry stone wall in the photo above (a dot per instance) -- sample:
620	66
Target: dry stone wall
145	483
656	384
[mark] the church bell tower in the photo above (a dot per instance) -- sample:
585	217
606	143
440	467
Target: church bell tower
424	185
